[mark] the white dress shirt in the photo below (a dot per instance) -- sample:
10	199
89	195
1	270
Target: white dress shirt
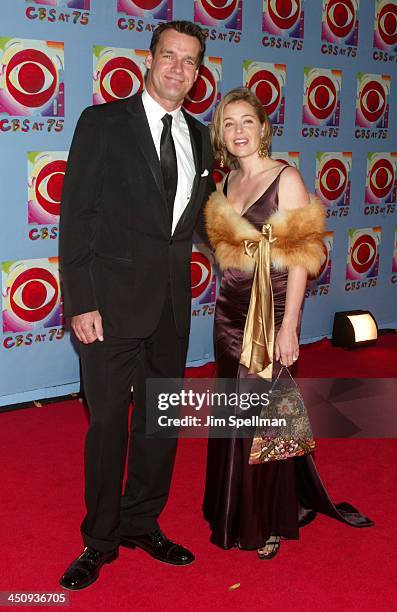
183	147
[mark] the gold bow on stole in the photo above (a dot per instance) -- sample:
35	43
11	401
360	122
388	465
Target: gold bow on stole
258	341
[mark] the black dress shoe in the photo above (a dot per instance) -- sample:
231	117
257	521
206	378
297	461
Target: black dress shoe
159	547
85	569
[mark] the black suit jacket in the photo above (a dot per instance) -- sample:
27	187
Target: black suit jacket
117	254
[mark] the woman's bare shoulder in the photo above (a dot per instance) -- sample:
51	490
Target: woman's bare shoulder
292	189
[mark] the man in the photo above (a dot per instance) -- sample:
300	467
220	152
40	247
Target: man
138	172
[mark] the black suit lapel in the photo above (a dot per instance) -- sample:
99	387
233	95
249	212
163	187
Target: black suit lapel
139	125
197	149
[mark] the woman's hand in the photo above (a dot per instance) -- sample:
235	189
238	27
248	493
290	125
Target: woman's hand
287	346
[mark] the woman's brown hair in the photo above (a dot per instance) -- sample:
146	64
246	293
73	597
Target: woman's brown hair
241	94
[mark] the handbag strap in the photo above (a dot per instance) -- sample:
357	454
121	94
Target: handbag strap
278	376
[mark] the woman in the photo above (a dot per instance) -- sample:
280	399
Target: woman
267	213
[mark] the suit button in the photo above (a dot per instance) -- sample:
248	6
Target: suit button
171	241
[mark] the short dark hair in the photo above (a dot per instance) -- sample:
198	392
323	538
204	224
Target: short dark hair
183	27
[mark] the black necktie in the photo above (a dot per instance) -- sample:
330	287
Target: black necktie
168	163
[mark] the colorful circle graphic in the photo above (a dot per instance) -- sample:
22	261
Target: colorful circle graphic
34	294
31	78
266	86
284	13
200	273
387	23
333	179
48	186
120	78
363	253
372	100
203	93
219	9
322	97
341	17
381	178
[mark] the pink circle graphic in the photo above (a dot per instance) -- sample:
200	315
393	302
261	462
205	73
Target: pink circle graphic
333	179
322	97
363	253
372	100
219	9
381	178
387	24
48	186
34	294
203	93
120	78
31	78
284	13
266	87
200	273
341	17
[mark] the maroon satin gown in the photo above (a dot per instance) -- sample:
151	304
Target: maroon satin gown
245	504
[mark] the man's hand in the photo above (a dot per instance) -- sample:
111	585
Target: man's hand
88	327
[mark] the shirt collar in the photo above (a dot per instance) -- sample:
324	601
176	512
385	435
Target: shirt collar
155	111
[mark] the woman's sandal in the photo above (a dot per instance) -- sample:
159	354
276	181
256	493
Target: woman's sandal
270	549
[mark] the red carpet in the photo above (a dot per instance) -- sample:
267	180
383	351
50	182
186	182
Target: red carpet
332	567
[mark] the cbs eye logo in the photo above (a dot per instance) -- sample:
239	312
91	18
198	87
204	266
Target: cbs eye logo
46	172
363	259
203	282
340	19
205	92
381	179
372	100
31	295
219	12
31	81
321	97
282	18
118	73
267	82
158	9
386	24
332	179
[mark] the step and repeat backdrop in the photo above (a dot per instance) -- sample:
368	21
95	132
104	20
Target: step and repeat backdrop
326	73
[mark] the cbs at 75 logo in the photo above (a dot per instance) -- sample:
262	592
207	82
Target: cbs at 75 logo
31	77
363	253
372	104
227	13
118	73
283	18
321	98
381	180
31	294
385	31
340	22
206	92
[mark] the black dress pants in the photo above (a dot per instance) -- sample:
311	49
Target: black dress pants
109	369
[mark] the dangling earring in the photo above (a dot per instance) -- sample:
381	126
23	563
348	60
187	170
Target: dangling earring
221	161
263	150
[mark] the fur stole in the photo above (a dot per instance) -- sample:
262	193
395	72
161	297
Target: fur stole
298	233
